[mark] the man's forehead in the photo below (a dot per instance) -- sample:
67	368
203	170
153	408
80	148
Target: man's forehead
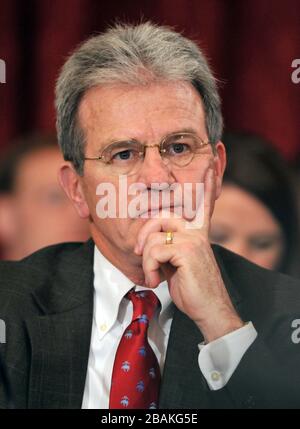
123	105
99	98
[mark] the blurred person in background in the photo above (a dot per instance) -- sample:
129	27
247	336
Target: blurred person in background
256	215
34	210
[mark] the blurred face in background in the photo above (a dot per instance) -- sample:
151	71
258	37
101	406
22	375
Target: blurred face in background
38	213
244	225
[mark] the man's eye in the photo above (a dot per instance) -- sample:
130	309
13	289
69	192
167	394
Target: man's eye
178	148
123	155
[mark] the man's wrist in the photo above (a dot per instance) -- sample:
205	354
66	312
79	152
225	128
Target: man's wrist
219	324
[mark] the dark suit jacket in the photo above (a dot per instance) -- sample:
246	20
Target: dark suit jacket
46	301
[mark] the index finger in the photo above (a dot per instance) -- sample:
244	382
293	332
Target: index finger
157	225
204	209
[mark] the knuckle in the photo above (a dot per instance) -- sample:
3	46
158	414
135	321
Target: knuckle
188	247
154	251
152	236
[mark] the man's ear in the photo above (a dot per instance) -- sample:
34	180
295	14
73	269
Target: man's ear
71	183
220	164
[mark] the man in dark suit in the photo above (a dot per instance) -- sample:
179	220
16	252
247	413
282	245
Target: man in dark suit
138	110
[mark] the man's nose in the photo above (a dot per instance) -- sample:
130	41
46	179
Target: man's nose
154	169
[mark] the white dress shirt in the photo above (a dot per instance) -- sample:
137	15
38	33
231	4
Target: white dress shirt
113	313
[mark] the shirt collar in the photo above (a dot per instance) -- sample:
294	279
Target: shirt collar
111	285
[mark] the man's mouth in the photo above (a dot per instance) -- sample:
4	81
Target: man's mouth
161	211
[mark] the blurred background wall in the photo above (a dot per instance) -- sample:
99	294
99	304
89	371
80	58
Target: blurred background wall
251	44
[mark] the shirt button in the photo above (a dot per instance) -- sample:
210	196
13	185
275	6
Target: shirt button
103	327
215	376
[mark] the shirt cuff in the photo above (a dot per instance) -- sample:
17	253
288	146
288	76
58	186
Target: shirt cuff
219	359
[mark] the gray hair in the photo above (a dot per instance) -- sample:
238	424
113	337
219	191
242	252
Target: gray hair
134	55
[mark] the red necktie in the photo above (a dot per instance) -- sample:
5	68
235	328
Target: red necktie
136	373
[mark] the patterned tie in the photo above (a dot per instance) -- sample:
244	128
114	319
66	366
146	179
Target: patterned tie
136	373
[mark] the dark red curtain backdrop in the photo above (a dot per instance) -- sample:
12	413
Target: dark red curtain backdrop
251	45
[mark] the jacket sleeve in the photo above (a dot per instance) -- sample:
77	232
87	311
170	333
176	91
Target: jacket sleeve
268	376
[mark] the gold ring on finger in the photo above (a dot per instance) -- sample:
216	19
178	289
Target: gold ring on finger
169	237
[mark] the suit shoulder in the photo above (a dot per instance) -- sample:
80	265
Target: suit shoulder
19	276
253	279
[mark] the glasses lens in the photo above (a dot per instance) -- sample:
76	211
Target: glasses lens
179	149
123	157
126	157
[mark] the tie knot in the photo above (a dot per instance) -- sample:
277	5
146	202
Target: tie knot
144	305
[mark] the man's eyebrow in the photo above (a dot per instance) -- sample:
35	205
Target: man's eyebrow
116	141
184	130
133	139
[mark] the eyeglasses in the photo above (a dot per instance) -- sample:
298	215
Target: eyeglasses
126	157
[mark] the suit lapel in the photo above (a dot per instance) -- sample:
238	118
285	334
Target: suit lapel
182	377
59	356
60	336
232	289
